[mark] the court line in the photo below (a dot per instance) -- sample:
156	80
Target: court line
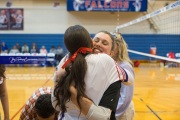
150	109
24	104
16	113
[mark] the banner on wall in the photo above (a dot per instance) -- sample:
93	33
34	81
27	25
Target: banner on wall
4	19
11	19
107	5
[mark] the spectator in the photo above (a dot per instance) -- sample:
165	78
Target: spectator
18	47
34	48
59	54
14	50
4	48
43	50
25	48
51	57
52	50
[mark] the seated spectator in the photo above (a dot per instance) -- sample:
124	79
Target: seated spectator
18	47
51	60
59	53
43	50
25	48
34	48
52	50
4	48
14	50
39	106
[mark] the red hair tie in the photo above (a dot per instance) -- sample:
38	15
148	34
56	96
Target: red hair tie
82	50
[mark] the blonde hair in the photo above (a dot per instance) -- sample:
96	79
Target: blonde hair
122	49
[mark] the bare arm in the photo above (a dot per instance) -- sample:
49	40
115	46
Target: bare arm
89	109
85	103
4	100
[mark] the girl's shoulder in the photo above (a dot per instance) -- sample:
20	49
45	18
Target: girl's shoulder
99	56
100	59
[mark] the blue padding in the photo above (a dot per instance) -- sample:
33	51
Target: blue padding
40	39
138	42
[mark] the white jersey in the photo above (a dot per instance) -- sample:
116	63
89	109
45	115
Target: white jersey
102	71
126	92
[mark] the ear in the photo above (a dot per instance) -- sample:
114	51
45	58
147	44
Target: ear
112	53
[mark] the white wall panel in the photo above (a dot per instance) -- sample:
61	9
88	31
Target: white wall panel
41	18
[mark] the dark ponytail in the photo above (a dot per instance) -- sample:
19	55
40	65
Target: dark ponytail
75	37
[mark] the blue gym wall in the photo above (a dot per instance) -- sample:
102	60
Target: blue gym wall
142	43
40	39
138	42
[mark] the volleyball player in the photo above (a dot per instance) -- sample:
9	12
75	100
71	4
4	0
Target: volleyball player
94	77
103	44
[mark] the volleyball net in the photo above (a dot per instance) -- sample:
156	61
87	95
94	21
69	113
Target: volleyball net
160	33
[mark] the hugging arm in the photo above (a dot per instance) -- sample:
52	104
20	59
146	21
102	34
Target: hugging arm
88	108
107	106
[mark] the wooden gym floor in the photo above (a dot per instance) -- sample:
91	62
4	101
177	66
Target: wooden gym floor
156	95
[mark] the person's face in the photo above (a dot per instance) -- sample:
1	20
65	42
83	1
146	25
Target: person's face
102	43
52	117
